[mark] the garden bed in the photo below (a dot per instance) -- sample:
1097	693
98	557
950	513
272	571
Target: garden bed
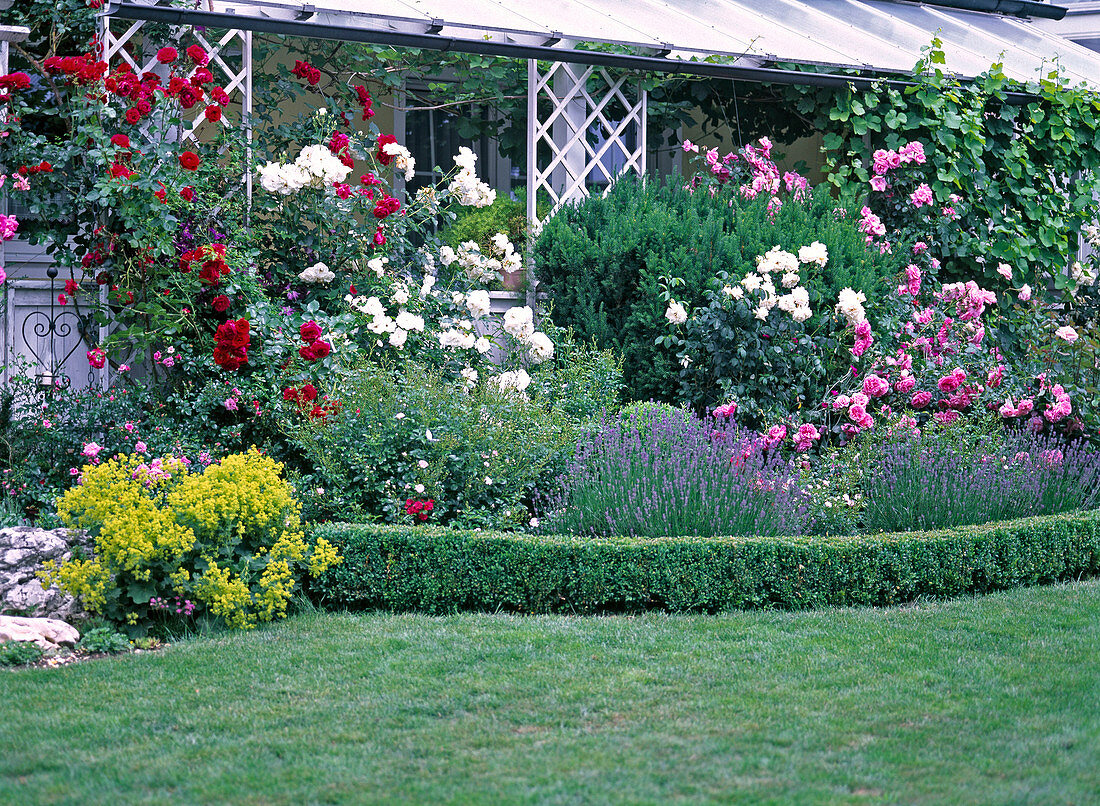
437	570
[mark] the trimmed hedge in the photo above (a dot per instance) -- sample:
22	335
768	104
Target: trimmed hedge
437	570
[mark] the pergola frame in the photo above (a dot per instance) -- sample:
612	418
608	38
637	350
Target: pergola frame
579	97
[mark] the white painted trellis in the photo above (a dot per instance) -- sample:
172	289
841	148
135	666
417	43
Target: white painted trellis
594	131
230	61
580	110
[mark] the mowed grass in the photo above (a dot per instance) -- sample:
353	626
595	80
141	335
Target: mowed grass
982	700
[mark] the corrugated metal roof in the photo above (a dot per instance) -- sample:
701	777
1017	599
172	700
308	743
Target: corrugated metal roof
875	35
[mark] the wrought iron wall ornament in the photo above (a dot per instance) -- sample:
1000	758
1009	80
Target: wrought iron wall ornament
44	333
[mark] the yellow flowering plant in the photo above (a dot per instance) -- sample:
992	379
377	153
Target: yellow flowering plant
226	541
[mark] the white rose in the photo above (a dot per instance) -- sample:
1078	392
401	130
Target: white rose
426	286
317	273
483	345
676	314
850	305
540	348
465	158
519	322
378	265
400	295
517	380
398	338
410	321
478	303
814	253
456	340
381	324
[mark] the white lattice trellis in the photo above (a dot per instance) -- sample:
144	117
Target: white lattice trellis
230	62
595	118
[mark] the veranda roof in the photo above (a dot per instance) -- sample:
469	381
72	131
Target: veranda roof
751	37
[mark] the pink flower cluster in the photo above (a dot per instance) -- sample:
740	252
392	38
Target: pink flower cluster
805	437
912	281
922	196
857	411
886	160
8	226
725	410
864	338
970	300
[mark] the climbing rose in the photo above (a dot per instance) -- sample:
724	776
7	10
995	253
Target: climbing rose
198	55
189	160
167	55
310	332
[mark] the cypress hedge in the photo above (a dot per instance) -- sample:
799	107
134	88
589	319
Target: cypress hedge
439	570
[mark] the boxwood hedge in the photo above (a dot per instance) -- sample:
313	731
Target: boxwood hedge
438	570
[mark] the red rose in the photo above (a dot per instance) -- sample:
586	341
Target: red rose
176	85
221	303
18	81
241	337
309	392
118	170
120	140
62	299
384	140
315	351
213	113
187	193
161	194
167	55
290	393
310	332
189	160
71	287
198	55
201	76
97	358
189	96
133	116
220	96
210	274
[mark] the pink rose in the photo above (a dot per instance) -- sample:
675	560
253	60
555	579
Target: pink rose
875	386
905	385
920	400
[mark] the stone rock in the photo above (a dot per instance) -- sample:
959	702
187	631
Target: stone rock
47	633
23	550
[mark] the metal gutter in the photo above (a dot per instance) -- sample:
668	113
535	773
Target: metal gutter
1012	8
656	64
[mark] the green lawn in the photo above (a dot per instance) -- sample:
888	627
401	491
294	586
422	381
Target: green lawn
984	700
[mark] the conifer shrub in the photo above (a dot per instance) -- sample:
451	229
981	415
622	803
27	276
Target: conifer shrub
601	262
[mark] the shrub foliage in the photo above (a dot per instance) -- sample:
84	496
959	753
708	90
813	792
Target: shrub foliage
437	570
228	538
602	261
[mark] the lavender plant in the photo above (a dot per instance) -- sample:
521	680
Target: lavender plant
676	475
932	483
